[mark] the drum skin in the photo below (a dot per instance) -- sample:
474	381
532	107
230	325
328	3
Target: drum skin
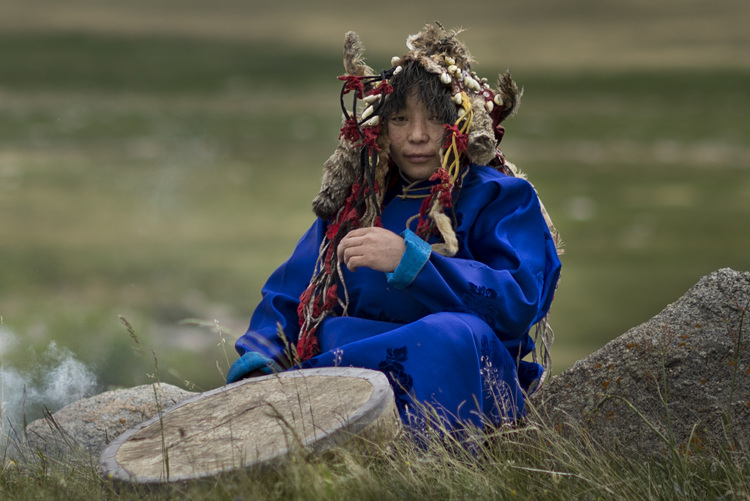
254	422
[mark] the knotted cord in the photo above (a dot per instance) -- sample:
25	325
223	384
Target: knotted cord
361	209
432	218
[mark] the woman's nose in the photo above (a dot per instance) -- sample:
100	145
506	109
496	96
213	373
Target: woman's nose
418	131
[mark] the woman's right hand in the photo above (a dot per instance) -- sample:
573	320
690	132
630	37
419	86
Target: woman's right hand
374	247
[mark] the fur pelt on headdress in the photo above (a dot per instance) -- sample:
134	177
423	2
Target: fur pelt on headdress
431	48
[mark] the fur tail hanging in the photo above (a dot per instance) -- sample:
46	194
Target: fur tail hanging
339	171
510	95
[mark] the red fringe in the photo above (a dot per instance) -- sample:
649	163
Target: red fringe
371	139
462	140
353	83
349	131
383	88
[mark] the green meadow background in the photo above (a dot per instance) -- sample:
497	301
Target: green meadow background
158	159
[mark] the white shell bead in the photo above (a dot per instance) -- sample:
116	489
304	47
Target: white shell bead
489	105
472	84
498	100
445	78
373	121
368	111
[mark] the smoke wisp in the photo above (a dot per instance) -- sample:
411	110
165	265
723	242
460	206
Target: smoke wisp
55	380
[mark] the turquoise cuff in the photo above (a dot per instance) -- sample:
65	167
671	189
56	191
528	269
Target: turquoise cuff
415	256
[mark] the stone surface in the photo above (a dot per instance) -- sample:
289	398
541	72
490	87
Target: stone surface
678	382
88	425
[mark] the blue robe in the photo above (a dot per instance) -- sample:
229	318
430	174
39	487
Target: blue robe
453	338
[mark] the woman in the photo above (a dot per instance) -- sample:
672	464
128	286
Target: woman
429	260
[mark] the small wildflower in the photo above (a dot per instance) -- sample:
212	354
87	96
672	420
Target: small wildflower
337	355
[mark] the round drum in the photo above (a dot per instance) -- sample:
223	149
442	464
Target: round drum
252	422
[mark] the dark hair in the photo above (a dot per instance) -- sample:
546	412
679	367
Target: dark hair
430	91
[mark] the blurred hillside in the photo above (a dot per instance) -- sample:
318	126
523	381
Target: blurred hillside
158	158
549	35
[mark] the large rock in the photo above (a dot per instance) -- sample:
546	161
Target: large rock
677	383
88	425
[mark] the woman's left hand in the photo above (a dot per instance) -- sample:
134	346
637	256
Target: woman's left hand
375	248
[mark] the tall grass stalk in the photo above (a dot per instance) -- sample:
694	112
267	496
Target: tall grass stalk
155	387
222	332
2	397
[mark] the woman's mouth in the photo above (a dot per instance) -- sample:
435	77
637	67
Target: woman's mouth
419	158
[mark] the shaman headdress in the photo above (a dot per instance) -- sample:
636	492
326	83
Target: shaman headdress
363	151
354	177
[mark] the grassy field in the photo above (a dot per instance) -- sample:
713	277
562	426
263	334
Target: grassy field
528	463
162	171
158	159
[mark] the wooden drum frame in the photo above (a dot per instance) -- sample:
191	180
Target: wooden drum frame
254	422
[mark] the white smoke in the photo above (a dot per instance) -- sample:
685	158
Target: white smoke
55	381
7	339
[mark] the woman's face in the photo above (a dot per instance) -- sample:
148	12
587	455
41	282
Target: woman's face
416	139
